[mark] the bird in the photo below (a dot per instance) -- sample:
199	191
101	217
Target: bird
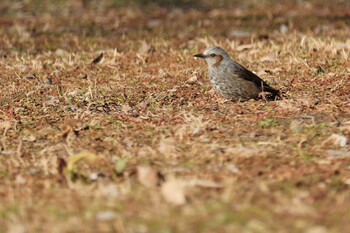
232	80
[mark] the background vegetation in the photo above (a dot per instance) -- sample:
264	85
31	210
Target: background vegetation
136	142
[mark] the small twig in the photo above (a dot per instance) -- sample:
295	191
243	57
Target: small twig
19	148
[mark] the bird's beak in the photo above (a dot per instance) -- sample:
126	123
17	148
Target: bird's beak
200	55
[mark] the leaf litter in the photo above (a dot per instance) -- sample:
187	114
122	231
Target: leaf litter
158	151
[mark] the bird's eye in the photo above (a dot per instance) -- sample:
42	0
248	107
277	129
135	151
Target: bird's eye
212	55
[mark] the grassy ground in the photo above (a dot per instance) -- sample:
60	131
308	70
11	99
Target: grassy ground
137	143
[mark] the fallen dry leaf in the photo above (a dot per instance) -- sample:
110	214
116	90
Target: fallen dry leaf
337	140
193	79
167	146
6	125
148	176
97	59
338	154
106	215
296	125
247	152
173	191
205	183
84	155
144	48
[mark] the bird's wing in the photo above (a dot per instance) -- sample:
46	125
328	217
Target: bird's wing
250	76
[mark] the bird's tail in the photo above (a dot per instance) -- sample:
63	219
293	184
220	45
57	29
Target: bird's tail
272	94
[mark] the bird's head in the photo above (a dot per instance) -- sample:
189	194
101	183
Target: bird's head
213	55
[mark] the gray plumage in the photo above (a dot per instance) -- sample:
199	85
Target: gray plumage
232	80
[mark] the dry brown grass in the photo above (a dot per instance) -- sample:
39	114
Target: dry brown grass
135	143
